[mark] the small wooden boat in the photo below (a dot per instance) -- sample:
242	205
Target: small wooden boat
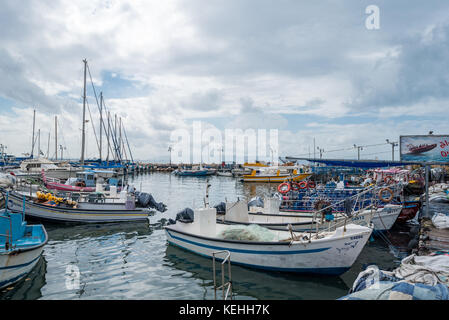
79	212
323	253
21	246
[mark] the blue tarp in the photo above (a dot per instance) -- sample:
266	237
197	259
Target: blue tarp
360	164
365	164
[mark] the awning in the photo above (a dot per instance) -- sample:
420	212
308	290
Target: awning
365	164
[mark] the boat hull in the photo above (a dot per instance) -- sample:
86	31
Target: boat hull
333	257
275	179
385	217
71	215
299	223
15	266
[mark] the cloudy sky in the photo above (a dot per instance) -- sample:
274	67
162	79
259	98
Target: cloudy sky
311	69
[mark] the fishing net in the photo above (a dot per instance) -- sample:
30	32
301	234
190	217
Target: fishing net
252	232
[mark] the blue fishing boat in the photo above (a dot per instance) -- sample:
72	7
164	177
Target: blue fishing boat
21	246
196	171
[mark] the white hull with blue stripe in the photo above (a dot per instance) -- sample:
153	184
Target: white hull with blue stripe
385	217
330	253
15	266
84	213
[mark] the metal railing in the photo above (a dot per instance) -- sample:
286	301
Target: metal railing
362	201
228	285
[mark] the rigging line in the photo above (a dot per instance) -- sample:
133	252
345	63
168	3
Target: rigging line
96	99
62	134
102	122
95	133
114	137
127	142
99	109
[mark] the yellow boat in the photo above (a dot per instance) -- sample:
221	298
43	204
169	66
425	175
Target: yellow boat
275	175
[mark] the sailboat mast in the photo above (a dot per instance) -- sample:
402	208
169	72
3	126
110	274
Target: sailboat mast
32	141
48	146
83	139
115	138
39	144
108	135
56	137
101	124
120	140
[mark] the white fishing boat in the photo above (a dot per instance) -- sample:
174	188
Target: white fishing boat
224	173
34	167
383	218
323	253
237	213
57	211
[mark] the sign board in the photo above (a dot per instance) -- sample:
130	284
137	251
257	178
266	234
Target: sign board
424	148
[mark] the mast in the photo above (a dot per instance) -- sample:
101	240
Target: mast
115	135
83	139
120	140
32	141
48	146
101	122
108	135
39	143
56	137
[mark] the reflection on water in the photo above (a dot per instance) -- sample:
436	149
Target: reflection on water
256	284
133	260
28	288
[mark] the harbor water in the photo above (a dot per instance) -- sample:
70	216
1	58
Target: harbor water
134	260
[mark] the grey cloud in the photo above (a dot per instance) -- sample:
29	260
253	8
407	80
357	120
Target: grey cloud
15	85
204	101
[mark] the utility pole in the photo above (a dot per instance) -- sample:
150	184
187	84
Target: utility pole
83	140
169	150
321	152
314	148
358	151
393	144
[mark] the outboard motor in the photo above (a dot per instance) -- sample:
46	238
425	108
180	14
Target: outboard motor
186	216
255	202
221	208
146	200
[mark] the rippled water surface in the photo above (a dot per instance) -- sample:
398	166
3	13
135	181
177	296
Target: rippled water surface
134	261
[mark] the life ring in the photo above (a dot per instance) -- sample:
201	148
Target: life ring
295	186
284	187
381	197
388	179
311	185
302	185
